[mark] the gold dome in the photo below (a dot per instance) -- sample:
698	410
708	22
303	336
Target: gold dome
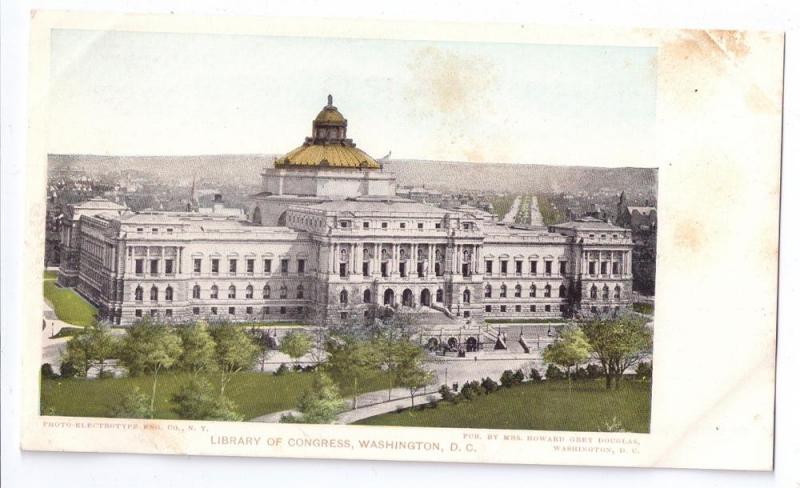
328	145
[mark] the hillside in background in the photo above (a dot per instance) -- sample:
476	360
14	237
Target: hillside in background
447	175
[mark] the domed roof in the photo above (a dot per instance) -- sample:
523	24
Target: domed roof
328	145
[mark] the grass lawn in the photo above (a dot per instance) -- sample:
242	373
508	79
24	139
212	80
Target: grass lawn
255	394
50	275
537	406
68	305
644	308
68	332
526	321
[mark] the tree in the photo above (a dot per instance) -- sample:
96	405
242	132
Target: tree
234	351
570	349
296	345
618	343
198	349
320	404
196	401
147	349
263	340
91	346
410	367
352	360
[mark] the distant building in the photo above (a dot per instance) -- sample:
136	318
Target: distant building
328	239
643	222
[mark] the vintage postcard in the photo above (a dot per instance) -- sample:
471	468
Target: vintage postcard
402	241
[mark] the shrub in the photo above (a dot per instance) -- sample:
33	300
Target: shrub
457	399
593	371
518	377
507	378
197	401
68	370
468	392
553	373
105	374
47	372
536	376
644	371
432	401
133	405
282	369
489	385
447	393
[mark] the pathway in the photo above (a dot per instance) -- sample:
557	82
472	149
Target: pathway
512	212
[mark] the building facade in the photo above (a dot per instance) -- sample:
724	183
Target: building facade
329	239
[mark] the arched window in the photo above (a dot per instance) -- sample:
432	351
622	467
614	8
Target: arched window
168	294
466	296
518	291
532	291
503	291
248	292
266	292
439	295
231	291
487	291
562	291
138	295
299	291
154	294
283	291
548	291
196	291
343	297
593	292
214	291
367	296
605	292
617	292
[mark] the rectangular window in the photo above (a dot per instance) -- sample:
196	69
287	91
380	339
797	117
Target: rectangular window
604	268
548	268
384	225
419	225
366	225
168	266
403	270
168	312
438	269
488	308
592	268
562	308
283	310
502	308
342	269
154	266
402	225
518	267
197	265
231	310
139	266
155	230
138	312
213	310
489	267
215	266
251	266
438	225
518	308
284	266
365	269
420	270
503	267
268	266
232	266
265	310
562	267
547	308
384	270
299	310
248	310
343	224
195	310
615	268
533	267
533	308
153	312
301	266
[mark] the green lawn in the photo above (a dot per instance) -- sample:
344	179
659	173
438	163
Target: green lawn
255	394
644	308
50	275
67	305
537	406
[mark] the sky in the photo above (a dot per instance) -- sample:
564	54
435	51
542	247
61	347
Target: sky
126	93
